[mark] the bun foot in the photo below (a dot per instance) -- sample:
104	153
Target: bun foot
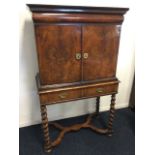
110	135
47	150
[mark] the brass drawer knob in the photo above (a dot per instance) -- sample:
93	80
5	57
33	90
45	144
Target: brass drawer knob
99	90
63	95
85	55
78	56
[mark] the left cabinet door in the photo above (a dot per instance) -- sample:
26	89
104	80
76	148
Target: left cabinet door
57	47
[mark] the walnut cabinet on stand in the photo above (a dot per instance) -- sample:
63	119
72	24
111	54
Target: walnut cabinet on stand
77	50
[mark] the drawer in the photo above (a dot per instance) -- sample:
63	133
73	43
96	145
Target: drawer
59	96
100	90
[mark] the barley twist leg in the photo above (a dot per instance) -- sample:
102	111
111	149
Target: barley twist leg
111	115
47	145
97	106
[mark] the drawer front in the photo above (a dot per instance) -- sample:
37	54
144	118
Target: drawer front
59	96
100	90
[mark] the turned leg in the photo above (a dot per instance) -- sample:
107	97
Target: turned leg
47	145
111	115
97	106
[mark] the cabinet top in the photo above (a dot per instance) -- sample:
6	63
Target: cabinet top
76	9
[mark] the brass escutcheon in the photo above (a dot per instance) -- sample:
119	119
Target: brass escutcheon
85	55
78	56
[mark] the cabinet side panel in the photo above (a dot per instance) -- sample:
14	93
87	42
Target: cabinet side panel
57	46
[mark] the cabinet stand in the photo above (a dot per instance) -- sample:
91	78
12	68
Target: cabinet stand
49	144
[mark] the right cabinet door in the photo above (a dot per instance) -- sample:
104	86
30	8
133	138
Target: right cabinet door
100	48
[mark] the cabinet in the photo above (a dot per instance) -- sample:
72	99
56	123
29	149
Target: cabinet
68	53
77	51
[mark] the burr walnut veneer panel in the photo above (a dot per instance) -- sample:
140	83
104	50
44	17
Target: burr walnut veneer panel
57	47
101	44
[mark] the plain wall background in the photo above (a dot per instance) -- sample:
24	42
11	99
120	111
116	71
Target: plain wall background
29	110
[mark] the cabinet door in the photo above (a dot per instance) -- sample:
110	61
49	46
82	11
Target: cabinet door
100	43
57	46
